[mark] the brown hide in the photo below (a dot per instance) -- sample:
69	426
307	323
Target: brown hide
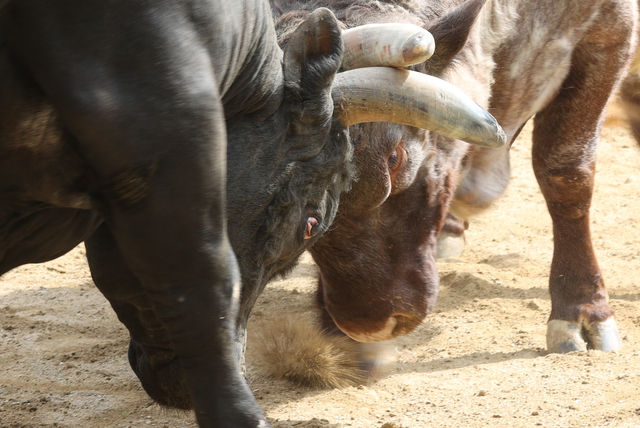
557	61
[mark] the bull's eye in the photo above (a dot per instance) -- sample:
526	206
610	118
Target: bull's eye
396	158
393	159
312	227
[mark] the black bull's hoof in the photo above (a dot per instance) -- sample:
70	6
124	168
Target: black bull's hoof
163	380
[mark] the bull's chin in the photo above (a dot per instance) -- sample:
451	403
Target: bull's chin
394	326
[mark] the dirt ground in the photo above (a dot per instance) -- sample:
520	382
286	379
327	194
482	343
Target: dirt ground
478	361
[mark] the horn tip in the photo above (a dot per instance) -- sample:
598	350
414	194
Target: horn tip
486	133
418	48
496	138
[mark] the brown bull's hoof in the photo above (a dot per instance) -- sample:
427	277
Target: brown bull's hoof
450	245
451	240
565	336
604	336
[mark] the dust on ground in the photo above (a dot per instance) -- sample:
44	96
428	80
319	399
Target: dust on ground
478	361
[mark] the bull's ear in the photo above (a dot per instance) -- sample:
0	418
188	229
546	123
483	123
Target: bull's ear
450	33
312	57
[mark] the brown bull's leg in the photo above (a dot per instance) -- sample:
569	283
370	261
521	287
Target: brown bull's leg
485	178
564	144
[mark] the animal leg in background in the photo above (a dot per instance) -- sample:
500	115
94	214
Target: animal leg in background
565	138
451	240
630	97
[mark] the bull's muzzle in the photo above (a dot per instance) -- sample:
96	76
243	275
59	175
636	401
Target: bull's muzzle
364	330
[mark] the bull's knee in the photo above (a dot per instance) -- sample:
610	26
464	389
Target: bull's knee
568	192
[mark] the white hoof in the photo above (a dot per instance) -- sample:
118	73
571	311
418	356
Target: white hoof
564	336
450	245
376	358
604	336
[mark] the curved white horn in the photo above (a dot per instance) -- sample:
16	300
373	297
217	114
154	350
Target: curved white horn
390	45
382	94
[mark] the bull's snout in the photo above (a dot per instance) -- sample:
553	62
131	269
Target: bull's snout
365	330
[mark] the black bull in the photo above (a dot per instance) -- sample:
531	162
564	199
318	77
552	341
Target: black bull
140	128
114	119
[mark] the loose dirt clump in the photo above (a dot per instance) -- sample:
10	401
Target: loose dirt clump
295	349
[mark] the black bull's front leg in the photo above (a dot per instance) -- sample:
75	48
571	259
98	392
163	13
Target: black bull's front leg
150	347
151	353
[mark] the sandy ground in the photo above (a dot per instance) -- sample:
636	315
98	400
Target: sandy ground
478	361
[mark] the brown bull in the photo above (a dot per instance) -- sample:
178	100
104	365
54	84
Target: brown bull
556	61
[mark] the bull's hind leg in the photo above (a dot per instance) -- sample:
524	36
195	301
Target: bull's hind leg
564	146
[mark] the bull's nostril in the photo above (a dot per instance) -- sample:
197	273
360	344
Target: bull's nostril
401	321
374	330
